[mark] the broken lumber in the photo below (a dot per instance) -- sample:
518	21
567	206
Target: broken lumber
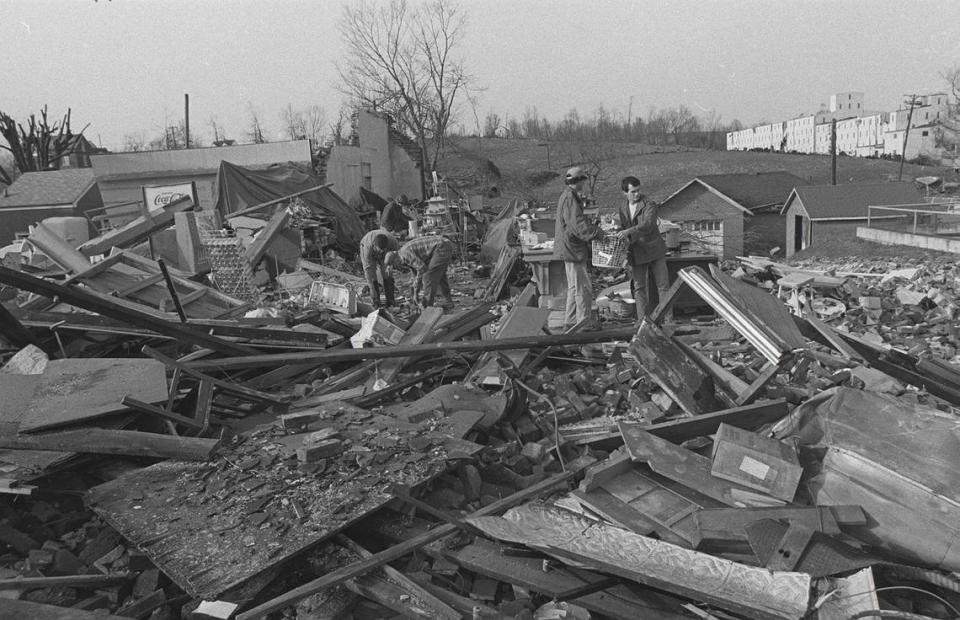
18	610
265	237
106	441
109	307
138	229
370	353
58	249
673	370
397	551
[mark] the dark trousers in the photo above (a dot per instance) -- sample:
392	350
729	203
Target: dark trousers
640	276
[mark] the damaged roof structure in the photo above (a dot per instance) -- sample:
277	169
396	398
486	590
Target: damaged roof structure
250	438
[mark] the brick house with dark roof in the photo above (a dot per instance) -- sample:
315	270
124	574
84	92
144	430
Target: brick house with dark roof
34	196
731	214
811	208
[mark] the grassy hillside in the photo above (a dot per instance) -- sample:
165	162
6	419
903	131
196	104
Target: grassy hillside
519	167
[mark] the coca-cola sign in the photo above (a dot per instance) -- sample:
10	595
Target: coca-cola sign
161	195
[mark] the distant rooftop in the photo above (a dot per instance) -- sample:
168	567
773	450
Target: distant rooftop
50	187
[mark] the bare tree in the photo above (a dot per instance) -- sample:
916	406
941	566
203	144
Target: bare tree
401	59
339	128
41	146
255	129
305	124
134	142
952	76
491	124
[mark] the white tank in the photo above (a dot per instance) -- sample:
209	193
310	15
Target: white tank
75	230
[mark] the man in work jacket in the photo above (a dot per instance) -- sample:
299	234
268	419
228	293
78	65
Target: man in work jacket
572	244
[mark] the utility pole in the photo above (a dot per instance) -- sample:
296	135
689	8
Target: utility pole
906	133
186	119
833	152
547	144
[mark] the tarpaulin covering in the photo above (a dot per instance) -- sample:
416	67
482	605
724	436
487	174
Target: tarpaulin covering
239	188
502	231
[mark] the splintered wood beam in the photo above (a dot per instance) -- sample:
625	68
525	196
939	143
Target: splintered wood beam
397	551
106	441
109	308
263	240
13	331
370	353
138	229
673	370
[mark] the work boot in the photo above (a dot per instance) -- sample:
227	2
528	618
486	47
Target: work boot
375	294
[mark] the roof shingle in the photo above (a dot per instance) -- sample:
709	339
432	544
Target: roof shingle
852	200
754	189
50	187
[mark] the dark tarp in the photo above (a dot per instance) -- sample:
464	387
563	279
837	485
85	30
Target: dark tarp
239	188
502	231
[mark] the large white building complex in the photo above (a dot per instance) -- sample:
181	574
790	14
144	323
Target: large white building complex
860	132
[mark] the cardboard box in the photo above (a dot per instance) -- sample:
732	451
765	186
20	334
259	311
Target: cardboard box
376	330
756	462
333	296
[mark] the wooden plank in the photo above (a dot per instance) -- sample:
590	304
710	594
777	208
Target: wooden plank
73	390
771	314
266	236
138	229
729	523
520	321
766	376
420	331
79	581
673	370
397	551
434	607
370	353
686	467
13	331
830	334
226	386
731	385
107	441
798	547
116	310
11	609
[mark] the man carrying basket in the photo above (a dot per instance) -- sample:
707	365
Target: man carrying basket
647	252
571	243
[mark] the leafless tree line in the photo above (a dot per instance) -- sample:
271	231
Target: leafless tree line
661	126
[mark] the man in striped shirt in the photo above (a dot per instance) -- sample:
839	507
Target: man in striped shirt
429	257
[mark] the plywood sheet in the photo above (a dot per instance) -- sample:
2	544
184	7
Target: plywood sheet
74	390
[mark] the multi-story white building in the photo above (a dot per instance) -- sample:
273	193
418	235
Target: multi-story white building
847	104
848	133
799	134
870	135
821	143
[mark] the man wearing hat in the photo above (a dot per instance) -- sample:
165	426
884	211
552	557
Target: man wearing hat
374	247
393	219
429	257
572	244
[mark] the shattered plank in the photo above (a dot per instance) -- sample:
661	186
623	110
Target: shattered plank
265	237
107	441
397	551
58	249
520	321
729	523
687	467
138	229
418	332
110	307
371	353
673	370
12	609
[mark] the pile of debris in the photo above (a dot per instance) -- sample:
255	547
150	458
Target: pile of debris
785	452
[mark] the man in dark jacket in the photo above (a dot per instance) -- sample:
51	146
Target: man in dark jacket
373	251
393	219
571	243
647	254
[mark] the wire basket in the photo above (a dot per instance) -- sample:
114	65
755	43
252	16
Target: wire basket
609	252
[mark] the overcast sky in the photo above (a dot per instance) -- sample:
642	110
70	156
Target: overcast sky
123	66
